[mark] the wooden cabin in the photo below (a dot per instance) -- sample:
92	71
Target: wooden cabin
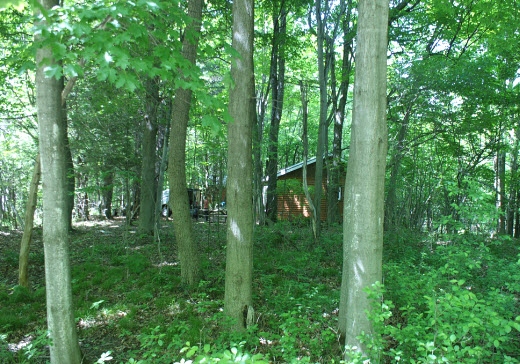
292	202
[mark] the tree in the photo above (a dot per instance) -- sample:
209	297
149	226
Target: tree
364	184
148	184
339	102
188	251
52	129
238	302
23	261
305	142
322	126
277	82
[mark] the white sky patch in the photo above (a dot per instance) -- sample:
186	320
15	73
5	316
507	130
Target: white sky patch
457	101
108	57
517	79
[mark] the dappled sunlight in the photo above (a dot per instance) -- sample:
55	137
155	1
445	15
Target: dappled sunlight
359	271
15	347
104	317
235	229
164	264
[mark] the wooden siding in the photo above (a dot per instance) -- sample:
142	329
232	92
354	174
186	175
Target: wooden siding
291	201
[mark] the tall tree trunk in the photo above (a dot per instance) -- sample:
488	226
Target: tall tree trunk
303	89
179	201
391	221
60	314
160	183
261	106
322	128
148	184
517	216
71	181
512	205
32	201
238	301
108	192
339	118
258	201
277	79
365	180
501	176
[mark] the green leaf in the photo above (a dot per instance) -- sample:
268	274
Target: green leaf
120	82
192	351
53	71
95	305
213	123
73	70
17	4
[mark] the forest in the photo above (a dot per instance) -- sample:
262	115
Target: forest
259	181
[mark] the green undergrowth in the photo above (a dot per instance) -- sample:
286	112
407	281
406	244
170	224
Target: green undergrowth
444	300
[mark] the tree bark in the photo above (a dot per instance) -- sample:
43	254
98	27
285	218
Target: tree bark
71	180
303	89
322	128
277	79
52	129
160	183
501	176
258	201
365	180
391	216
179	201
148	184
512	205
238	301
108	191
261	105
339	118
32	201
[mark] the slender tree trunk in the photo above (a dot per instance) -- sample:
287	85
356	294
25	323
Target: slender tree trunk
258	202
32	201
108	192
322	128
391	220
238	301
52	129
501	175
339	118
160	183
365	180
179	201
303	89
71	180
277	79
148	184
517	216
512	205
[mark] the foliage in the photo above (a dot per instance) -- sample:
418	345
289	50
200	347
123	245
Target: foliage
449	308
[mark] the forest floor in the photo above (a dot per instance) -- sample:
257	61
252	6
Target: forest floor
452	299
129	300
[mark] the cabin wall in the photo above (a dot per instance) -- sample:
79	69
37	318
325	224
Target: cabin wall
291	199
